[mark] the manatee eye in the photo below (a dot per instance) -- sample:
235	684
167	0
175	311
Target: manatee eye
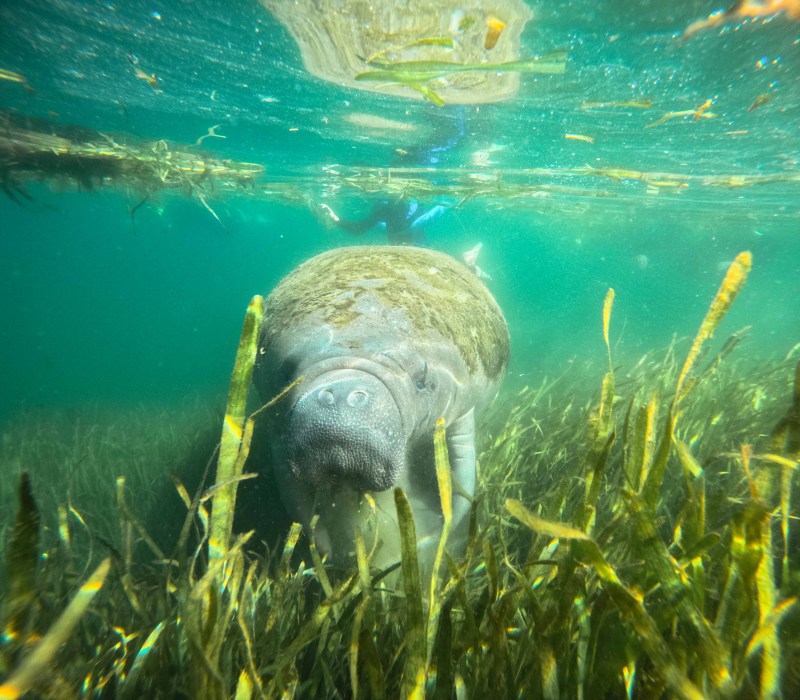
422	380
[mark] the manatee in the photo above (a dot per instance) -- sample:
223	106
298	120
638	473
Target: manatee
387	339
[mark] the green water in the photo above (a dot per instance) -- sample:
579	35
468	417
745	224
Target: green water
94	308
118	332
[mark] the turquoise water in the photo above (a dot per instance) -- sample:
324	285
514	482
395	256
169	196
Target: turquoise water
99	309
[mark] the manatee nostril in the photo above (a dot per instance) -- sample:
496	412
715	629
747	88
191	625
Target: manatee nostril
357	398
326	396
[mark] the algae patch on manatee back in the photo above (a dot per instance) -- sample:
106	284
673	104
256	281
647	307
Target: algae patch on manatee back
435	292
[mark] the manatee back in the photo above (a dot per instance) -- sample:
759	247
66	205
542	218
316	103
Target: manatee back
437	297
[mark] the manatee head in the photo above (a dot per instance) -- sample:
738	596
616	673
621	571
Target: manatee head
346	430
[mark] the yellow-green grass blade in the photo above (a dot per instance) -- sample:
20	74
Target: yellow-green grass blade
233	432
23	678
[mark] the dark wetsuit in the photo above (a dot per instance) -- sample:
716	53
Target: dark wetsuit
402	219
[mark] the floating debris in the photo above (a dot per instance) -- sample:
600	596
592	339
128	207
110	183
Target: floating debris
762	99
579	137
700	112
743	10
494	28
373	121
628	104
34	150
12	77
413	74
151	78
212	133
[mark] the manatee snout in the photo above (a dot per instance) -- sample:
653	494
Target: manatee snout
346	431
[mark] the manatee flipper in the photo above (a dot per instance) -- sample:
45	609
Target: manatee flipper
461	451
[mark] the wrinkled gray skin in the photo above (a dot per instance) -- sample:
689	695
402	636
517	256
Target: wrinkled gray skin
362	420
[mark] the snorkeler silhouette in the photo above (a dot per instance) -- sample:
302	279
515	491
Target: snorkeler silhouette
403	219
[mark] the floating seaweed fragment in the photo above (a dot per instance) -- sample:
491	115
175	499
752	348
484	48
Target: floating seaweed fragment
426	92
212	133
743	10
151	78
628	104
414	73
36	150
700	112
11	76
402	71
762	99
14	77
653	179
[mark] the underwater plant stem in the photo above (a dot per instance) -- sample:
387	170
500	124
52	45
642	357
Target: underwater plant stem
651	489
607	306
21	563
415	670
284	665
629	603
207	616
726	294
442	463
767	599
35	664
675	588
597	459
642	441
231	441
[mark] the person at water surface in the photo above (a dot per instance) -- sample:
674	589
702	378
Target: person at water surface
402	220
